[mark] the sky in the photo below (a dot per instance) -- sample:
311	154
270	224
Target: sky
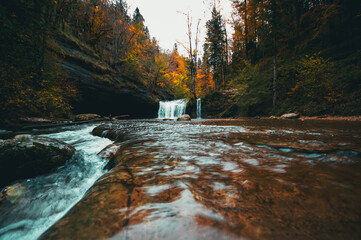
166	21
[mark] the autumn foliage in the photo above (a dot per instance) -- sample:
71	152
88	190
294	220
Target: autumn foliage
283	55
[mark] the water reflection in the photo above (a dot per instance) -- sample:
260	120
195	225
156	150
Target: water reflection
225	180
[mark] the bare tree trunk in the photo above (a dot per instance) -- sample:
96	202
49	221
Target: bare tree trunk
196	62
189	25
191	54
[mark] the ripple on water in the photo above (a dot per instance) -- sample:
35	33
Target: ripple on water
230	166
251	161
201	182
175	219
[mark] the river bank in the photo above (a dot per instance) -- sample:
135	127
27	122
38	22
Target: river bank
303	118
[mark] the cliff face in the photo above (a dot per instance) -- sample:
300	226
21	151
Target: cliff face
101	89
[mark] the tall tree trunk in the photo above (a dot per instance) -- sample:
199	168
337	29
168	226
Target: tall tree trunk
196	61
274	39
295	24
275	80
191	57
246	28
225	60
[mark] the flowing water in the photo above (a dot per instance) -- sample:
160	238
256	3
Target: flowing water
226	179
47	198
199	108
172	109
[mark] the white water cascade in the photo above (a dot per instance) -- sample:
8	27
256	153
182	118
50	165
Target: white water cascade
172	109
47	198
199	108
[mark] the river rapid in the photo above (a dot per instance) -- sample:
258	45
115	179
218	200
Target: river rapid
205	179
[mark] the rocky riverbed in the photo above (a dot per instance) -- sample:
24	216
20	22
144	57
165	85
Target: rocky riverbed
215	179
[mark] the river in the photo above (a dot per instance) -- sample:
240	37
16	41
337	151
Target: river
205	179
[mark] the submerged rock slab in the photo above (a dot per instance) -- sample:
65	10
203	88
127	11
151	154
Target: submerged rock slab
221	181
27	156
115	202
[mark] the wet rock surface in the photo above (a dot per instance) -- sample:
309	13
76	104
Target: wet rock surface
290	116
27	156
112	131
184	117
252	179
11	193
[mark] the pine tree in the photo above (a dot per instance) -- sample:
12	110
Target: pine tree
215	48
137	16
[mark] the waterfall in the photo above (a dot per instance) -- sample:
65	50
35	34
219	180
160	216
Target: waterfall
172	109
199	108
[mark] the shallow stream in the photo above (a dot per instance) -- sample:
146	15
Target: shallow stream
206	179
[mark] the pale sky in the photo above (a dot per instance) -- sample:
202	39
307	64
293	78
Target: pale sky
168	25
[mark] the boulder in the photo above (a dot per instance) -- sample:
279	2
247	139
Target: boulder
184	117
290	116
111	131
86	117
27	156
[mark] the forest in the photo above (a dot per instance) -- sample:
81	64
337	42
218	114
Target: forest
284	56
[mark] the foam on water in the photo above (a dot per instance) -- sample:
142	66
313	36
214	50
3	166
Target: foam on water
48	198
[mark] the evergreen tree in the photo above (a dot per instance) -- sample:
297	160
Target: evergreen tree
137	16
138	21
215	48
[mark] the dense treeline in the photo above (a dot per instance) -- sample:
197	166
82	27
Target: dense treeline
284	55
31	82
296	55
